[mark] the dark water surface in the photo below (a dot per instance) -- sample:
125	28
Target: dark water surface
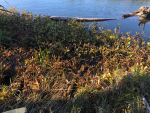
89	9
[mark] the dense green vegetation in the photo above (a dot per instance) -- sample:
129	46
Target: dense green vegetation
51	66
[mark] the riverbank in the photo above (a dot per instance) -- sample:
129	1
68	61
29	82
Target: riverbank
50	66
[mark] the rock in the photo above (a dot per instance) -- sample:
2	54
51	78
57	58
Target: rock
18	110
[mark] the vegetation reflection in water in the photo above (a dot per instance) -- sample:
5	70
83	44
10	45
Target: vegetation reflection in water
58	67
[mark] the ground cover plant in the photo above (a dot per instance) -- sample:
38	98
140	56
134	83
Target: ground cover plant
65	66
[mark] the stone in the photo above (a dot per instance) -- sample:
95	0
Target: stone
18	110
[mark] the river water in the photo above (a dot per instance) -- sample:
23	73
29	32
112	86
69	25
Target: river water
89	9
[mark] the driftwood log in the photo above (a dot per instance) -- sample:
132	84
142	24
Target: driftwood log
142	12
64	18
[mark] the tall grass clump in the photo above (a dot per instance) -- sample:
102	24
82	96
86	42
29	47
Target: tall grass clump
60	66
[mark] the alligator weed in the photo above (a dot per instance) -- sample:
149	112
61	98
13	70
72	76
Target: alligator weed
61	67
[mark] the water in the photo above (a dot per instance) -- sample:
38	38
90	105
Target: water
89	9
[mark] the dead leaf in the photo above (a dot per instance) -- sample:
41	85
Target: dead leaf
34	85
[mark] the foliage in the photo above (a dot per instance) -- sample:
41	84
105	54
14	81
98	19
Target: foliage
58	66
